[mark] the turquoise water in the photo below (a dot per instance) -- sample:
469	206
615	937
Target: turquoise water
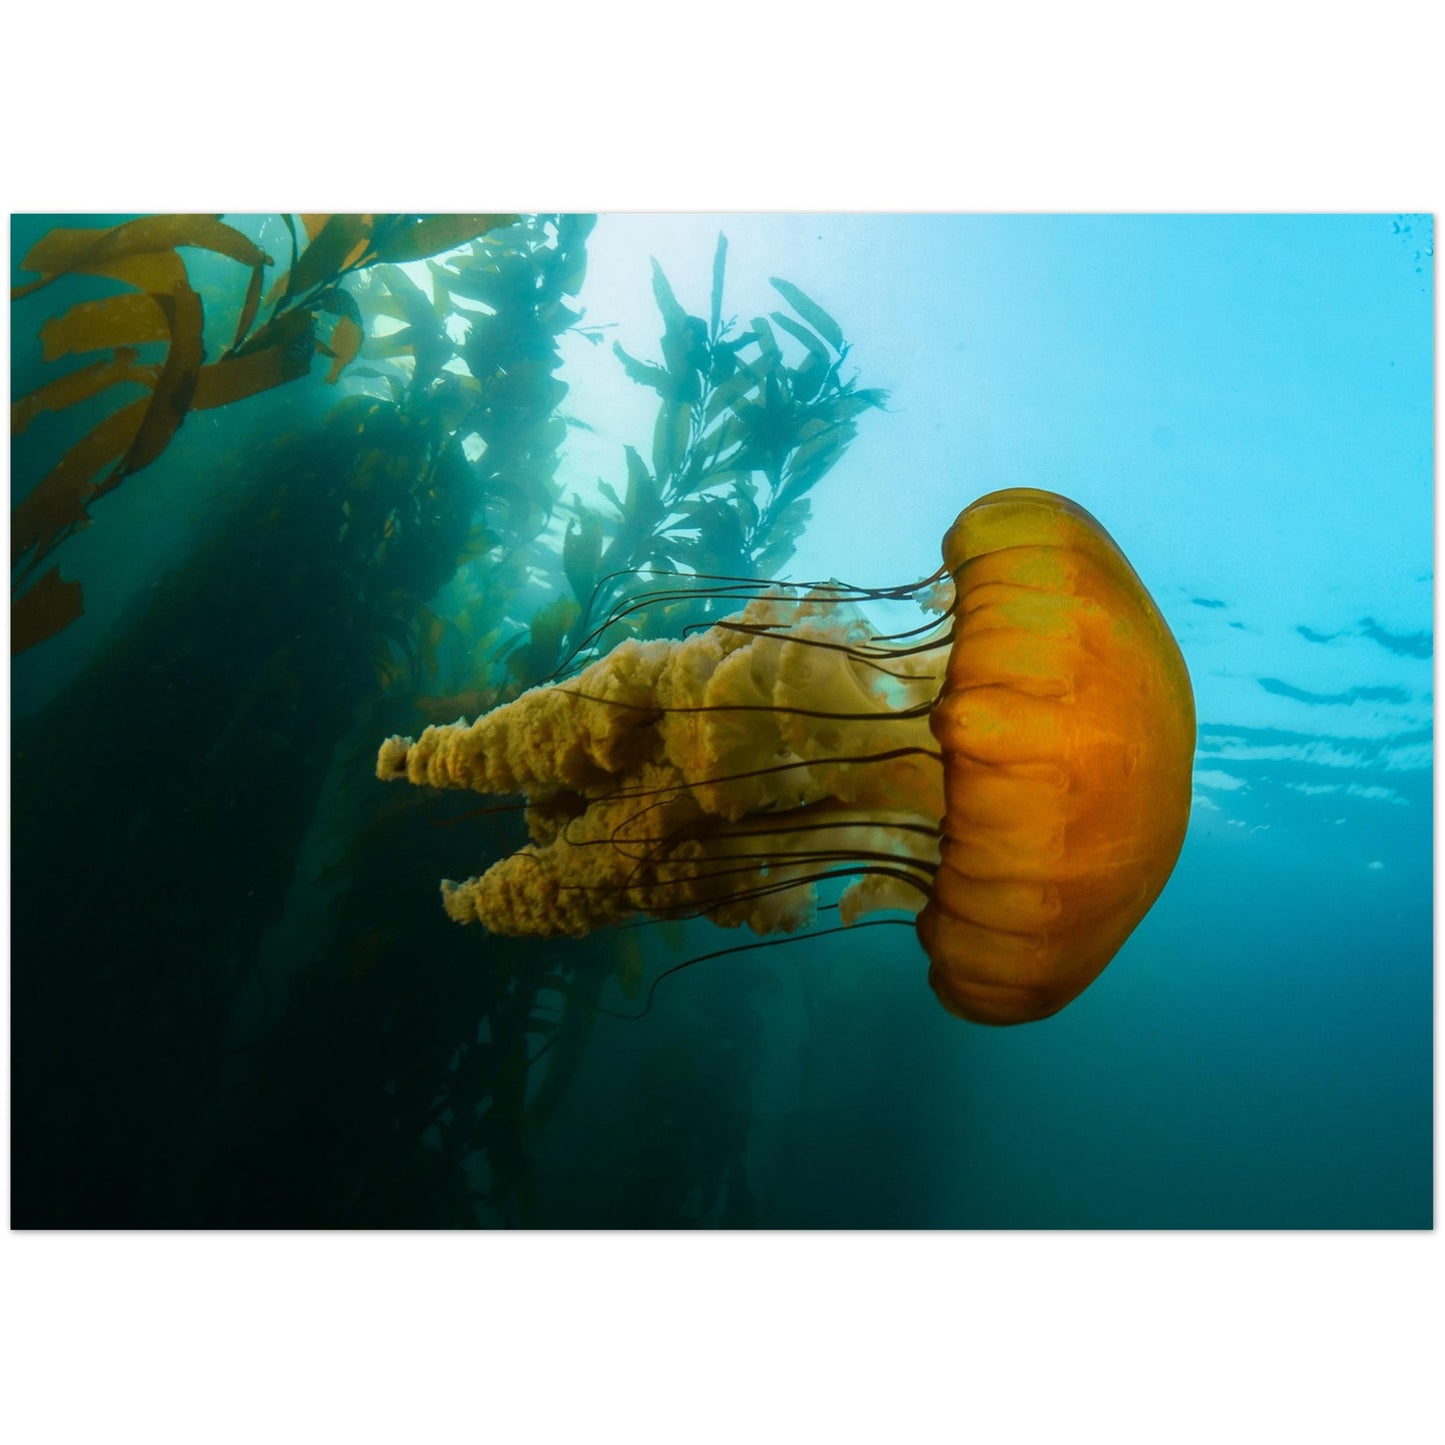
260	1031
1246	403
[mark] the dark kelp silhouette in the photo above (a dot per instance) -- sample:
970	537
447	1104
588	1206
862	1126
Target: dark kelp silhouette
383	553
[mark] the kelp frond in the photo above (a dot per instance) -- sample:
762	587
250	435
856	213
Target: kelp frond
162	307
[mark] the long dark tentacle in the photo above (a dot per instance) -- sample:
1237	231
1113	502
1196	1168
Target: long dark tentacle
730	589
747	948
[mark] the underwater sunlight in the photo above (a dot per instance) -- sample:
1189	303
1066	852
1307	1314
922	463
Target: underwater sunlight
516	508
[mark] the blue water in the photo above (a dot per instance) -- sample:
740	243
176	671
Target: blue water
1246	404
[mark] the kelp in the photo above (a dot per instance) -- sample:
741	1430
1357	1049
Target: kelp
70	251
741	437
43	610
165	309
113	321
502	411
78	386
419	549
536	565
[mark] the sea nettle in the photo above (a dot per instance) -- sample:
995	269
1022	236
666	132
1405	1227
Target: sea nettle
1018	778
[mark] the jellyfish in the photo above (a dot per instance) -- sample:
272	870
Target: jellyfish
1016	775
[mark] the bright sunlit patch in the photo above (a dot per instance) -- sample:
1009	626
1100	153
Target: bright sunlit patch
1374	793
1211	778
1405	756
